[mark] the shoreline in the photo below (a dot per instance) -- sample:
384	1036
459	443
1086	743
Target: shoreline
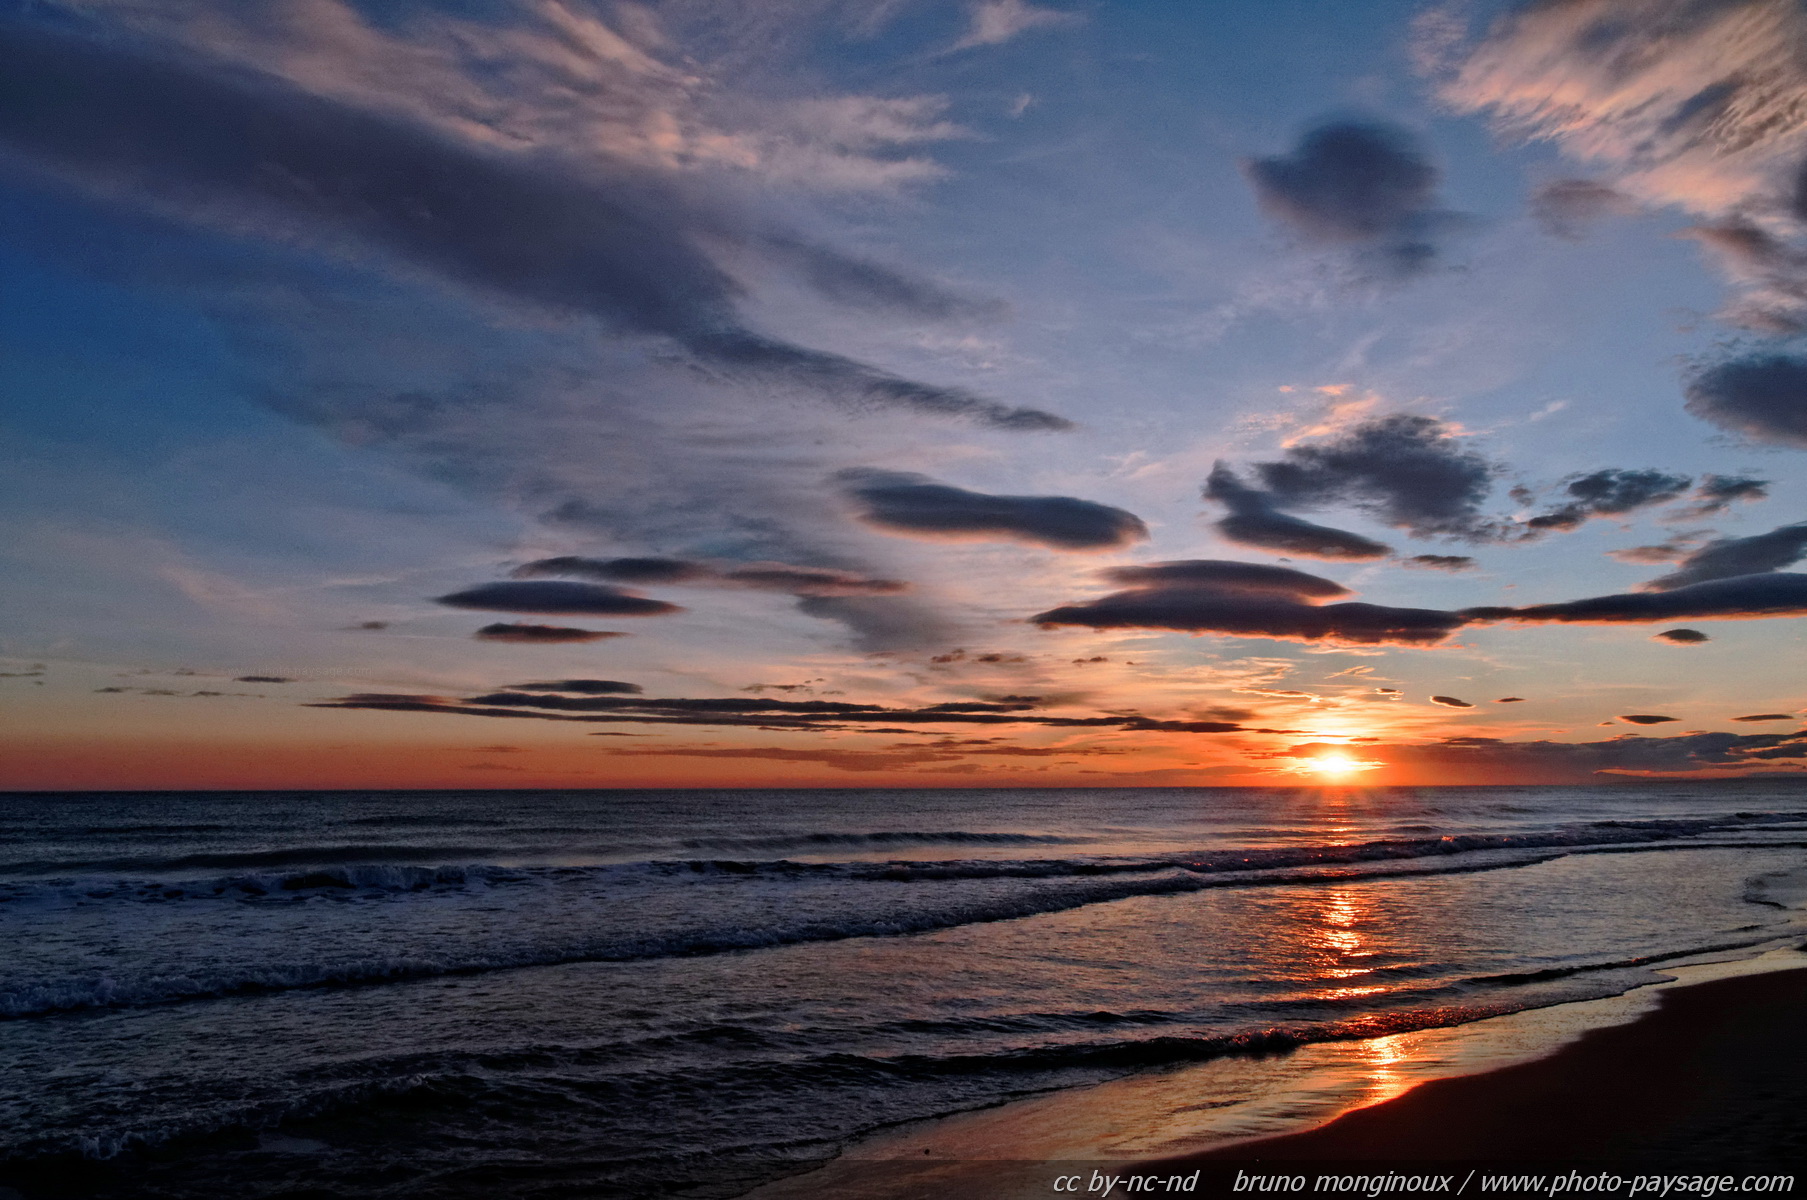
1710	1078
1373	1100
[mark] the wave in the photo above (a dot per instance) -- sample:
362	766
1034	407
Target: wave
388	866
805	841
461	1079
41	998
228	859
1050	886
383	870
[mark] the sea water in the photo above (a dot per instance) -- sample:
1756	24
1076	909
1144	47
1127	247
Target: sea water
640	993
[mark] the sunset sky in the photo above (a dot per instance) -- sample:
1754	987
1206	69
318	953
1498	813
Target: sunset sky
900	392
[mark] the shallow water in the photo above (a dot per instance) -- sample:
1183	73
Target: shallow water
641	993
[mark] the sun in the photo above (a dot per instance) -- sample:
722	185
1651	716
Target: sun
1337	765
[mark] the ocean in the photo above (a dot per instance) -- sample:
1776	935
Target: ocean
689	993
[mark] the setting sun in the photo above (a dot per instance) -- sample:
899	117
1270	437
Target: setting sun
1338	764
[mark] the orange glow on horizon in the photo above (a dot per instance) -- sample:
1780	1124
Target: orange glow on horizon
1337	765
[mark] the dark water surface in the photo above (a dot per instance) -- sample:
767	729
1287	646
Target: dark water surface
525	994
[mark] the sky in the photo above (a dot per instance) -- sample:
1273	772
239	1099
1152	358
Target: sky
901	393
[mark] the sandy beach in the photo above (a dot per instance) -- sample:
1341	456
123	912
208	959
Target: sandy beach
1712	1078
1700	1074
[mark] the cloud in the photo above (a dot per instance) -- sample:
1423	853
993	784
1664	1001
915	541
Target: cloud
1254	521
1450	702
1474	757
535	702
1411	472
758	576
1681	637
1678	547
1765	717
582	687
1510	700
995	22
558	599
1565	207
862	283
617	570
1677	103
1646	718
1250	579
263	679
1357	184
1609	492
1249	600
1717	493
1740	597
611	238
545	634
1762	397
904	502
866	605
1726	558
840	760
1440	562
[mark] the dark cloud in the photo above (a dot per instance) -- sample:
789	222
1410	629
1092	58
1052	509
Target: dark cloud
370	625
581	687
1565	207
1248	600
1440	562
759	576
846	279
901	755
840	760
1558	761
1358	184
1763	397
1729	557
1609	492
1646	718
546	634
811	581
1450	702
1765	717
566	599
534	702
1678	547
1771	272
1411	472
1717	493
1251	579
616	570
905	502
1510	700
989	657
860	385
1744	596
263	679
247	151
1254	521
1681	637
865	604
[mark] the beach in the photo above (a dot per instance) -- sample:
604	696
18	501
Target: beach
1711	1079
1698	1076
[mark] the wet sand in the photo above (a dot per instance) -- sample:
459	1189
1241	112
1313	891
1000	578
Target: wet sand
1716	1076
1709	1071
